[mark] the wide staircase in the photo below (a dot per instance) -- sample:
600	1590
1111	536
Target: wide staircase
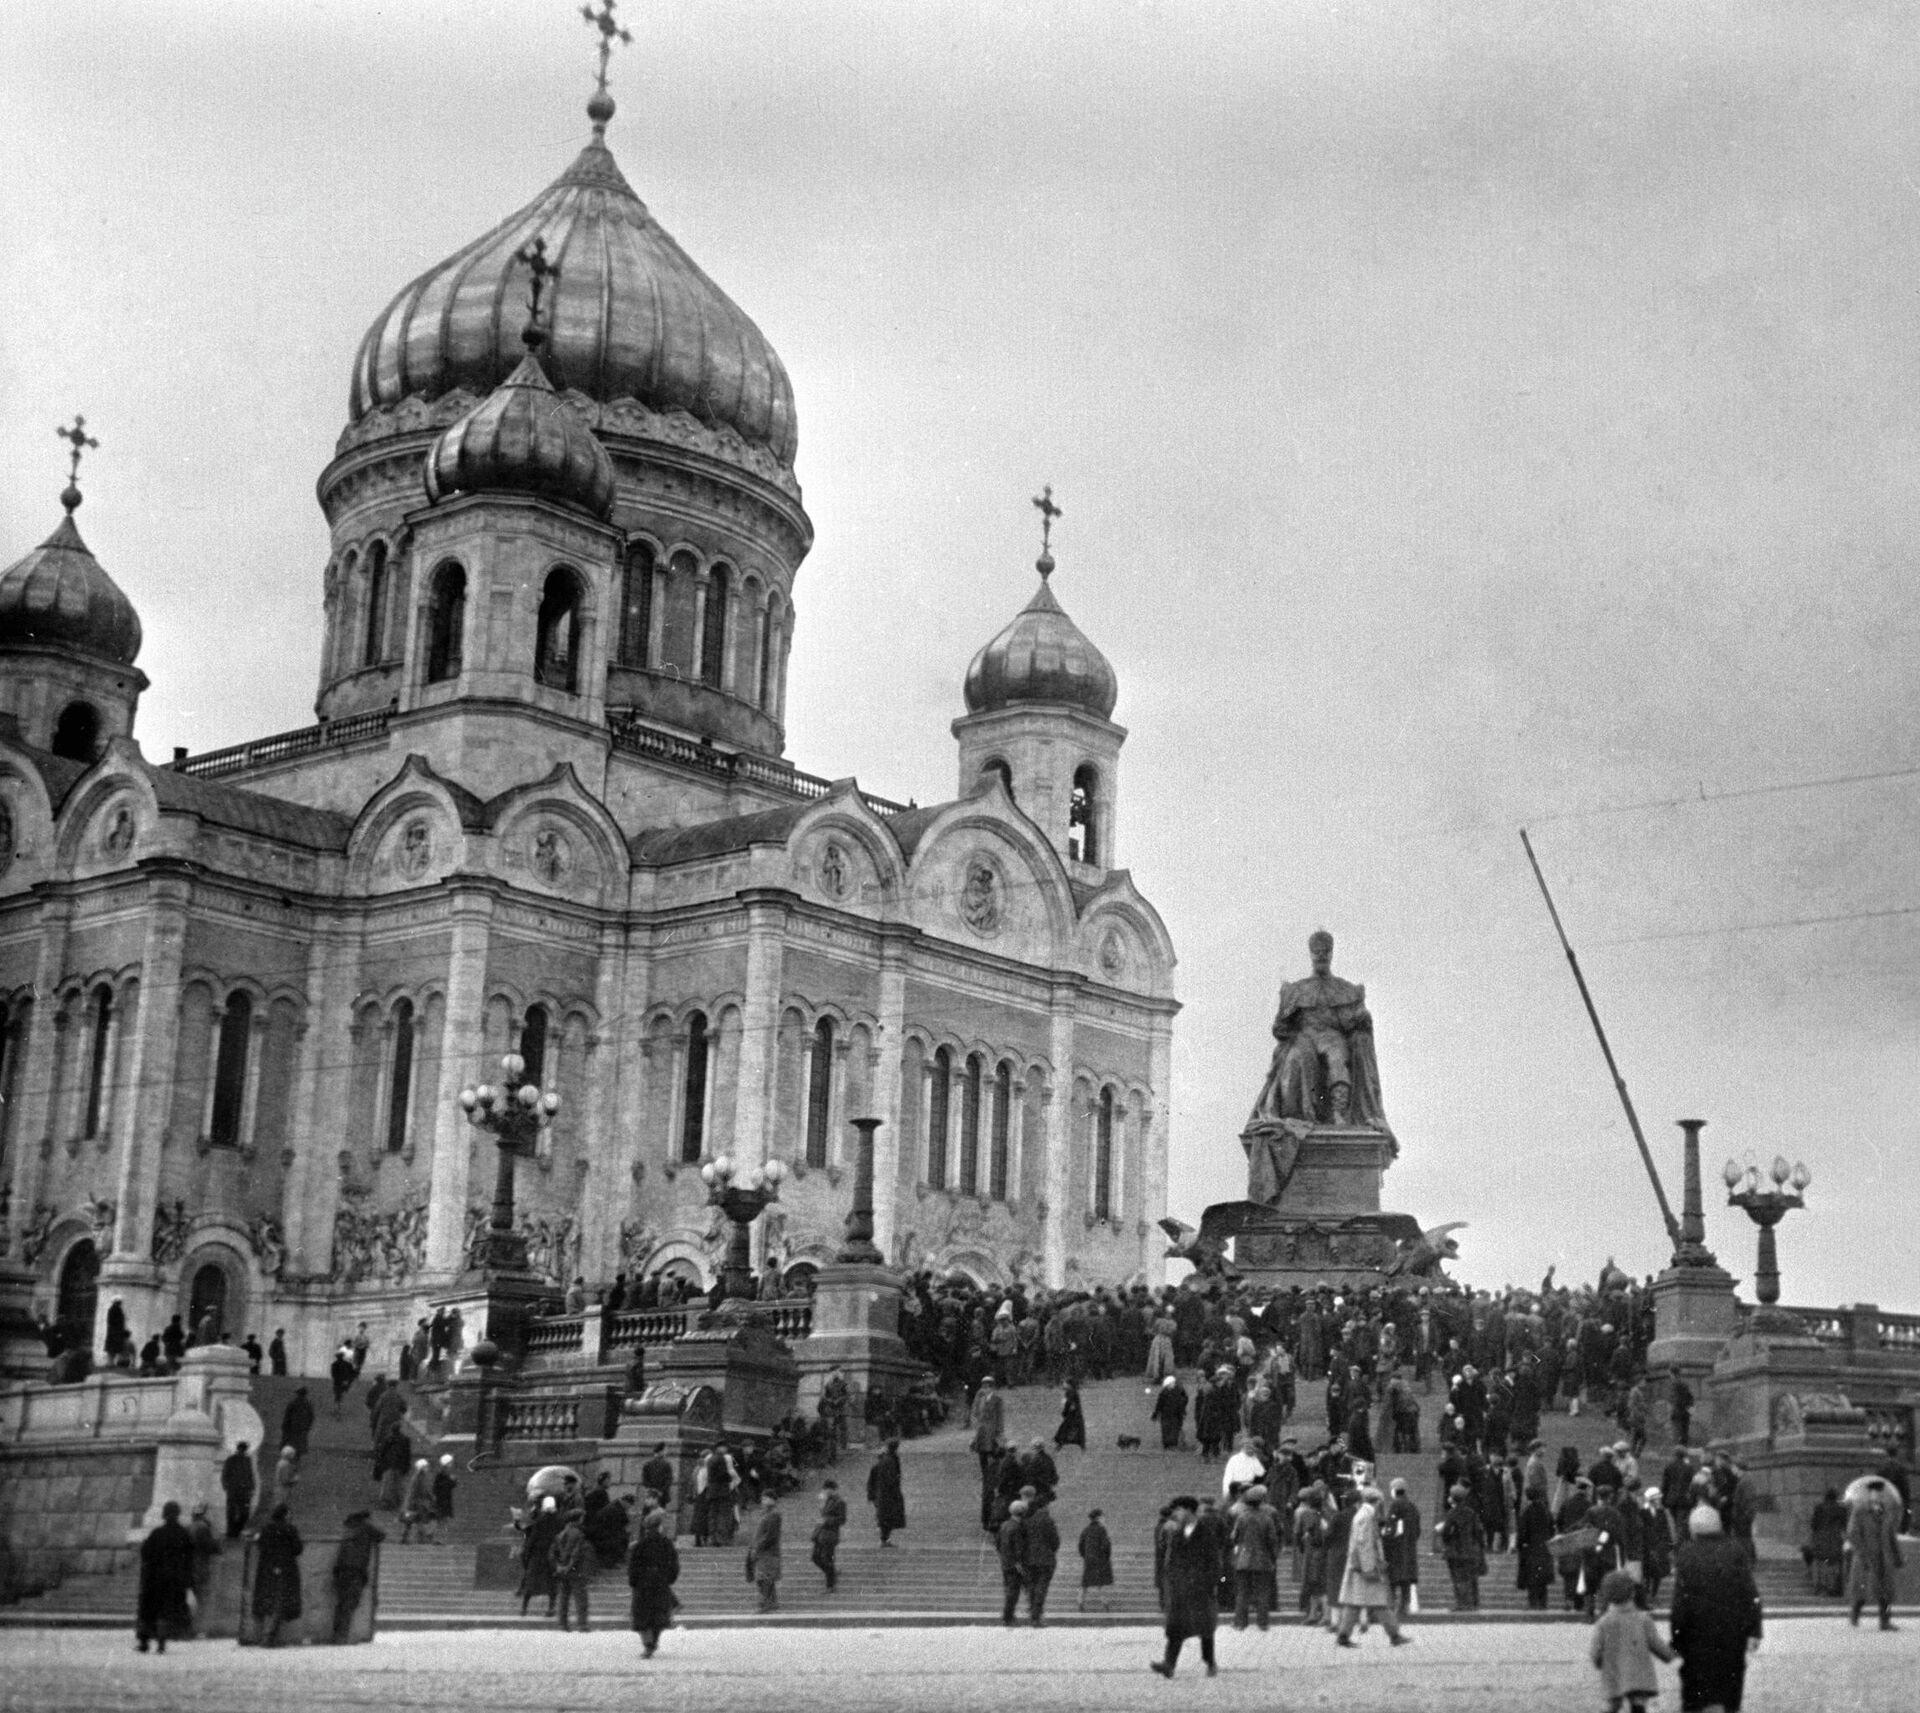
942	1569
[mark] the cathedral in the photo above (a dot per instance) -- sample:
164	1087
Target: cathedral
545	809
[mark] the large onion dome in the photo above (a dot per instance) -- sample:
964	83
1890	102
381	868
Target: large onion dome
1041	657
59	594
523	438
632	316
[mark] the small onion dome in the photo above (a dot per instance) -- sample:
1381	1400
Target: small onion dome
1041	657
59	594
524	438
631	316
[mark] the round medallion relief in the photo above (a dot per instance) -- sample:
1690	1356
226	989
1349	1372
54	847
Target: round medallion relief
1113	953
983	896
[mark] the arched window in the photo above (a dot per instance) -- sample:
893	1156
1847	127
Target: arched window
941	1100
763	664
100	1014
636	605
557	642
76	734
374	647
79	1293
1002	1113
12	1039
970	1091
533	1043
819	1091
446	624
1103	1157
208	1296
400	1083
1000	771
1082	814
713	634
693	1128
230	1071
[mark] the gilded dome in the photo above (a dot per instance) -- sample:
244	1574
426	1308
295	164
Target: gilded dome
524	438
1041	657
59	594
631	316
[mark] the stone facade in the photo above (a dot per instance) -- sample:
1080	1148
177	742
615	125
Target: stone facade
546	811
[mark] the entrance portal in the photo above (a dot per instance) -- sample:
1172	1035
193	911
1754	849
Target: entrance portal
79	1294
209	1296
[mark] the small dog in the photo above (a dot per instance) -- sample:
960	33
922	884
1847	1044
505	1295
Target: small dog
1129	1442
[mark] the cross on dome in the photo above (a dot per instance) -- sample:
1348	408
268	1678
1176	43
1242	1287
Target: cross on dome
600	108
1043	503
80	441
532	255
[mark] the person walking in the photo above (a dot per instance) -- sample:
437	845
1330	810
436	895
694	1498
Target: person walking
886	1492
1170	1411
1400	1535
1874	1548
1191	1577
653	1567
238	1483
1533	1550
1463	1543
1073	1417
1041	1555
343	1374
1311	1528
1010	1543
443	1489
276	1575
572	1567
286	1476
1715	1622
826	1532
1364	1587
416	1504
296	1422
206	1548
1096	1555
166	1579
763	1551
1624	1646
352	1569
1256	1557
277	1354
542	1529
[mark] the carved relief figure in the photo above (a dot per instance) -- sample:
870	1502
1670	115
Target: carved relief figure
416	849
551	856
1323	1069
833	872
169	1232
269	1246
980	902
121	826
102	1215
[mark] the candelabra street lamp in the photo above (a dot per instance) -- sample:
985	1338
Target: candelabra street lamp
513	1114
1766	1204
742	1196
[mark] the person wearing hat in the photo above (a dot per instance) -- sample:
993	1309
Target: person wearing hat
166	1579
1874	1548
1716	1619
1010	1542
1400	1534
1364	1586
1625	1645
206	1548
826	1532
1096	1555
276	1576
238	1483
352	1569
1463	1543
1190	1576
1256	1556
1040	1548
763	1551
1312	1524
1572	1515
1533	1547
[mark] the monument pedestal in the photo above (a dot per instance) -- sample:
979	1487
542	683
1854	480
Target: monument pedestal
856	1328
1322	1182
1694	1314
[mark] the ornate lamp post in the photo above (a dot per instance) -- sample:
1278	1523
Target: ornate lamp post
513	1114
742	1197
1766	1204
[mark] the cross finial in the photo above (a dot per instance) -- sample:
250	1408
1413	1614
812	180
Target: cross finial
533	256
1043	503
600	108
80	441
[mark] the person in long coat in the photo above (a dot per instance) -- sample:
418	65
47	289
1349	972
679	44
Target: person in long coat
536	1555
1256	1556
826	1532
166	1578
885	1492
652	1569
1463	1543
763	1551
1073	1418
1096	1555
1872	1536
1365	1585
1715	1621
276	1575
1170	1411
1532	1533
1311	1527
1400	1534
1191	1574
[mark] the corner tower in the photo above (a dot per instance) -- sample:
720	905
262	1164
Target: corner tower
1039	697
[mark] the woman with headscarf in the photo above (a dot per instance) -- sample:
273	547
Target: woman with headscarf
1073	1417
416	1504
1365	1583
1170	1411
276	1575
1715	1622
1160	1350
1310	1528
536	1555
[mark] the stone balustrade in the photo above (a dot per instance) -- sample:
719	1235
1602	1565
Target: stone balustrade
550	1418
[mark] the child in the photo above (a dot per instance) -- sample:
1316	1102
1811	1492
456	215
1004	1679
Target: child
1623	1641
1096	1557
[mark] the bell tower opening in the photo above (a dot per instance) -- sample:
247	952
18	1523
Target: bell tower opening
76	735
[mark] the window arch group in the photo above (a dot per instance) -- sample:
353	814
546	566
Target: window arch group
558	631
702	619
970	1111
446	623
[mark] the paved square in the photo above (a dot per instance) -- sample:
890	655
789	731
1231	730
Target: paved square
1806	1666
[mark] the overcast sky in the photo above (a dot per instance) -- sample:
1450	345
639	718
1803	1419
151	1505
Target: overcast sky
1466	415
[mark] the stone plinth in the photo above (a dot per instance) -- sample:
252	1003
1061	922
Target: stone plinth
1694	1314
856	1328
1323	1183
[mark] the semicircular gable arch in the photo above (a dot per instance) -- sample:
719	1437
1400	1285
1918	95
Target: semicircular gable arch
1035	915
